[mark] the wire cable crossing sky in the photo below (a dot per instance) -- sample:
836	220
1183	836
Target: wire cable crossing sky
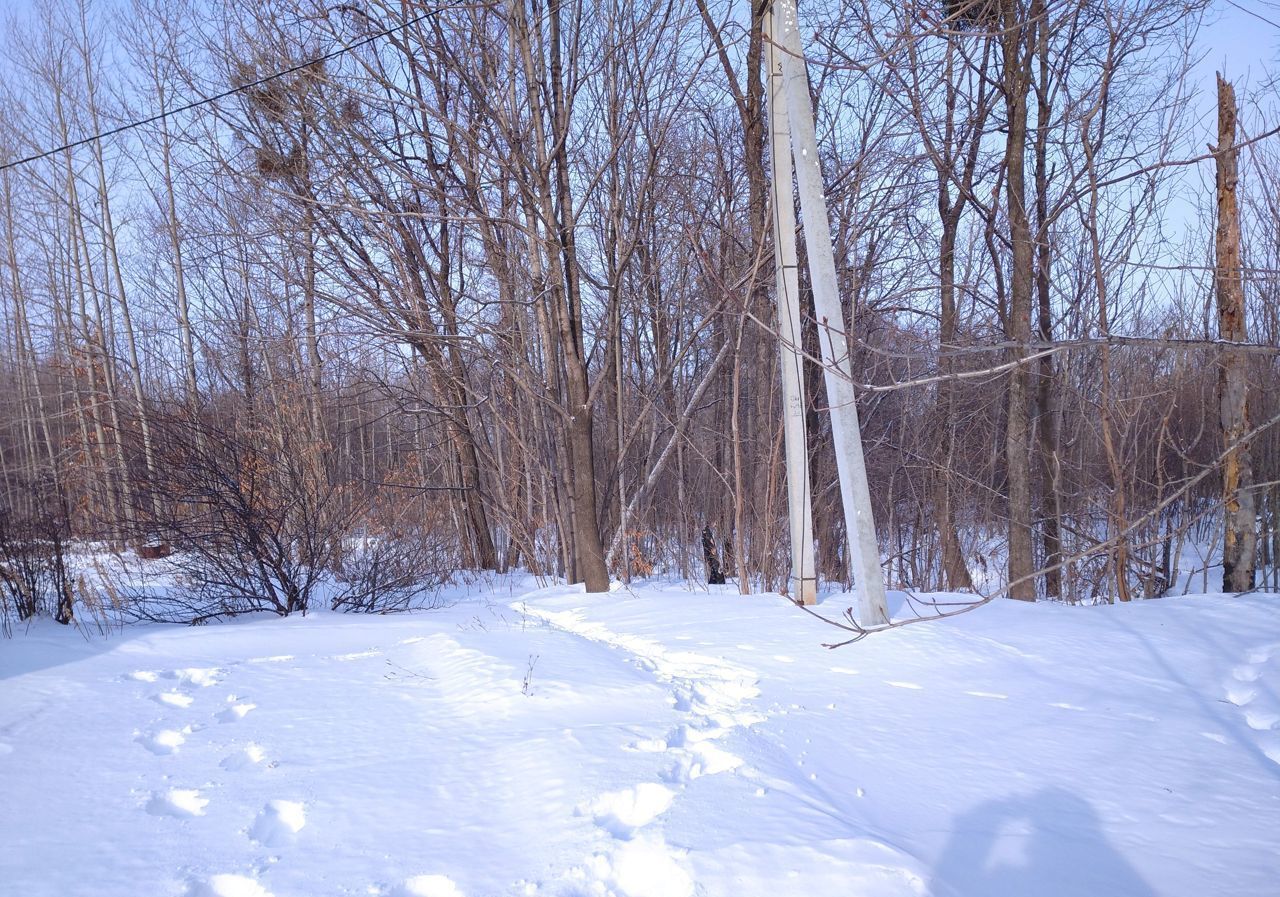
204	101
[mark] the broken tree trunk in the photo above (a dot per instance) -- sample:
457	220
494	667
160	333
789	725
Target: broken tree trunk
1240	541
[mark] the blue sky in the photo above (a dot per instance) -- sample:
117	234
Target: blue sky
1241	46
1240	42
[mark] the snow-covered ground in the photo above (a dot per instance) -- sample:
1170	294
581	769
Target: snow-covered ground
654	742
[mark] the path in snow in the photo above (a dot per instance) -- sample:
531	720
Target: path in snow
707	784
713	694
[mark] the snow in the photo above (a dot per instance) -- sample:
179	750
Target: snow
657	741
178	802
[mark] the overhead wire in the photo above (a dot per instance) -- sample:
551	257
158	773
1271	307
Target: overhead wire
214	98
1257	15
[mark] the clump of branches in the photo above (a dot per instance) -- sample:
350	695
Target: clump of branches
261	522
972	13
402	556
33	569
391	572
255	513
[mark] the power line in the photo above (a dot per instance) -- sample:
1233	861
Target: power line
1256	15
204	101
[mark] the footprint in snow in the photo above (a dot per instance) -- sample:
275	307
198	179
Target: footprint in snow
641	867
180	802
166	741
235	712
173	698
1246	672
1242	690
1241	694
203	677
227	886
278	822
251	755
1261	655
694	753
427	886
1261	720
620	813
643	745
711	760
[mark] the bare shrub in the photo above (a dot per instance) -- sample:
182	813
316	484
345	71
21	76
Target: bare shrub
256	514
33	570
403	556
391	573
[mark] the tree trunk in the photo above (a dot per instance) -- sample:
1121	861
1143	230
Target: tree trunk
112	261
954	567
1017	443
1240	543
590	549
1048	423
179	269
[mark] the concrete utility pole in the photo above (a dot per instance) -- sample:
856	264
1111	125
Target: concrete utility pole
855	493
804	580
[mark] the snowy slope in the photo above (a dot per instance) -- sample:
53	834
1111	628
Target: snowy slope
653	742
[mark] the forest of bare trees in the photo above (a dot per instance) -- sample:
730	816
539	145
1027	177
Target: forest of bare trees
490	285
